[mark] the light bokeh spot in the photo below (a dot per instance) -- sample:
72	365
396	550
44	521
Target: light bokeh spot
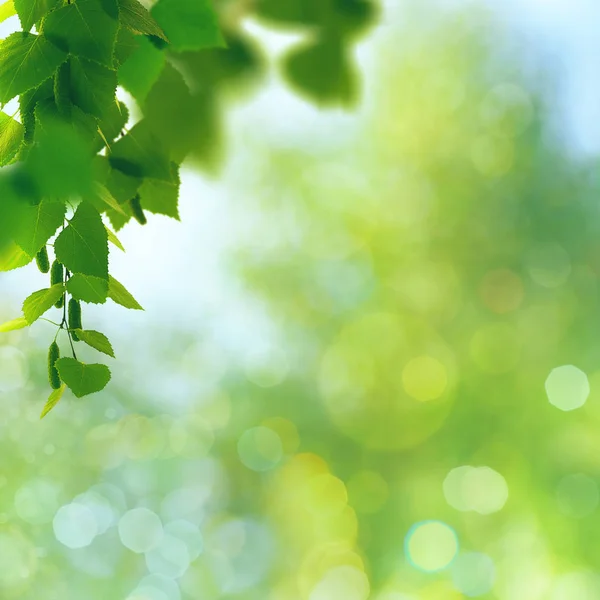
567	387
140	530
431	545
473	574
260	449
170	557
75	525
478	489
345	582
424	378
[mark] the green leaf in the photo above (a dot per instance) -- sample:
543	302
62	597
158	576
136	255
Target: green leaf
85	29
161	197
140	153
138	20
322	71
28	102
142	69
81	378
41	301
176	129
11	138
31	11
96	340
83	246
26	60
18	323
13	257
93	86
114	239
61	161
88	288
103	199
7	10
53	400
126	43
118	293
189	24
38	224
113	121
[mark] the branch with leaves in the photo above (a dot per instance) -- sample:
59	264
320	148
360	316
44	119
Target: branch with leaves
69	162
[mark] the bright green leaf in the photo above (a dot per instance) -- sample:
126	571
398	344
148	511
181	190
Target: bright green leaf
38	224
118	293
53	400
41	301
96	340
26	60
7	10
88	288
81	378
12	256
113	239
11	137
13	325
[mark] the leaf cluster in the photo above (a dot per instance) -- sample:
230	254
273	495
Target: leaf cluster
71	162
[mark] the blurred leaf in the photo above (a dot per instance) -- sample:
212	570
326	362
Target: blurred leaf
141	70
7	10
322	72
161	197
18	323
188	24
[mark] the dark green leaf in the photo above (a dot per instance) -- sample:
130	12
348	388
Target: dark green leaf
84	29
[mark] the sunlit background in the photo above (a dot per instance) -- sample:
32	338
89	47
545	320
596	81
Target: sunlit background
369	362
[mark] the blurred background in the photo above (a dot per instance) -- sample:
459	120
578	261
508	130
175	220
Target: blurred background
368	367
